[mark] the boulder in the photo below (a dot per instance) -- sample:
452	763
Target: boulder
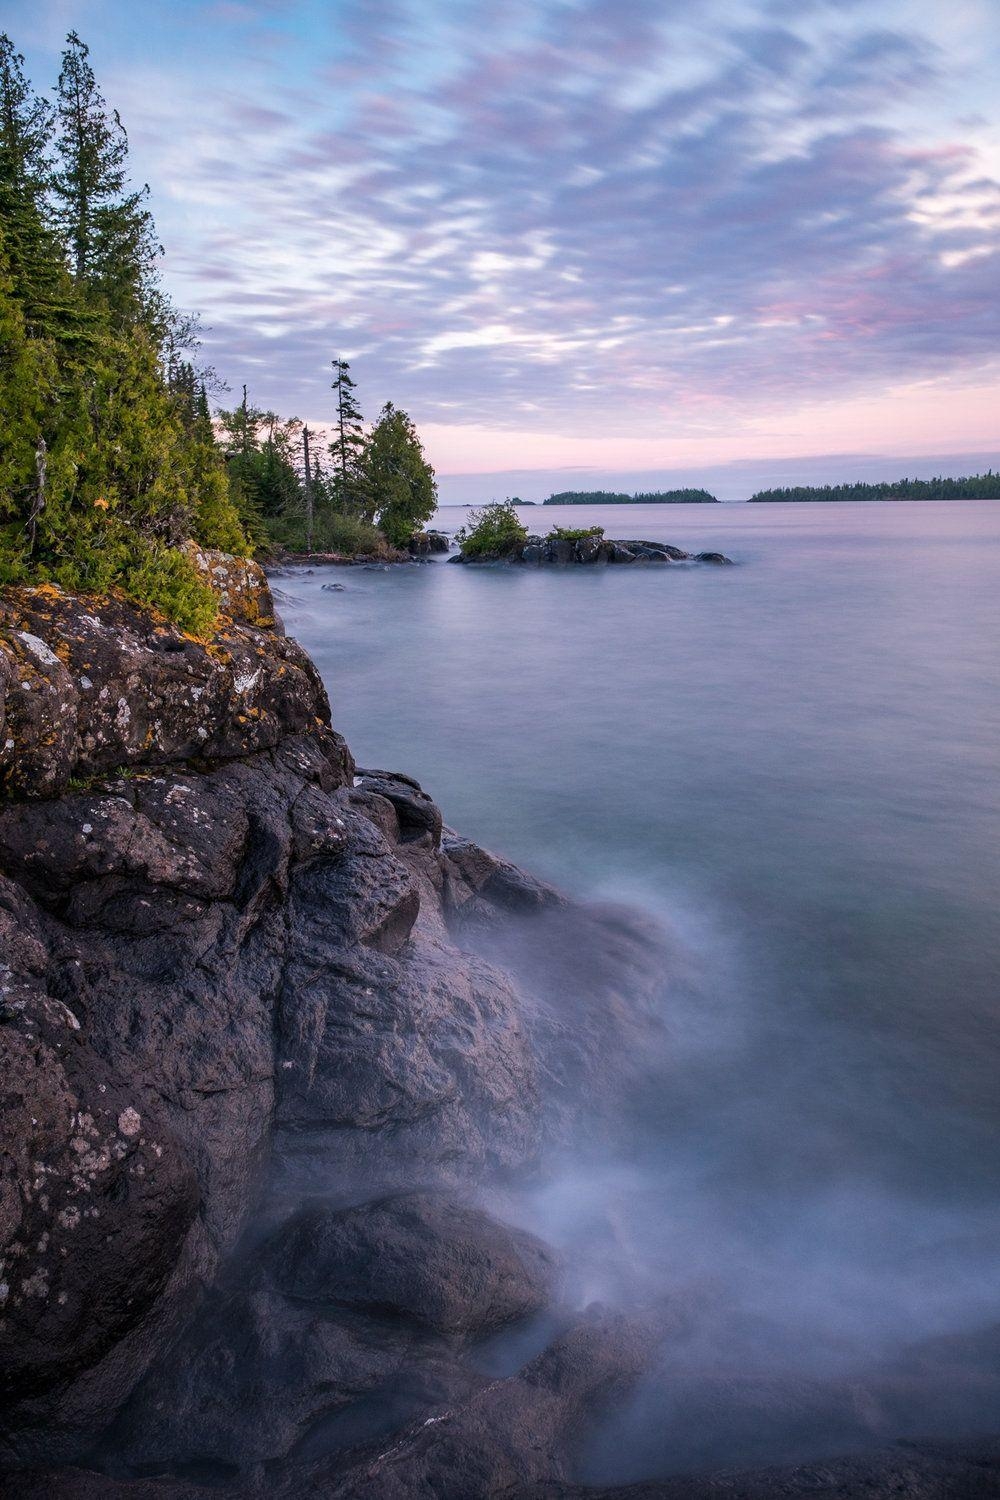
713	557
588	549
423	543
423	1256
503	1439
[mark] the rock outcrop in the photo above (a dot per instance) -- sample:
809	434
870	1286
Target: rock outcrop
278	1052
244	984
539	551
428	543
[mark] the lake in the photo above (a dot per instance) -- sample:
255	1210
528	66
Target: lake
793	764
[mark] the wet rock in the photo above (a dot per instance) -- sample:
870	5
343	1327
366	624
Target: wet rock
424	1256
424	542
251	1378
588	549
510	1435
713	557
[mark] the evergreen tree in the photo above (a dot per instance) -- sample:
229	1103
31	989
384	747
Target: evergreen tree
401	481
107	227
350	492
34	257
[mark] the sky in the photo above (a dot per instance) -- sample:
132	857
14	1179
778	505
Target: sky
581	237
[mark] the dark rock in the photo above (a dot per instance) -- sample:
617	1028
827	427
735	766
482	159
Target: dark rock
559	551
588	549
713	557
510	1435
533	552
424	1256
619	553
252	1376
126	690
424	542
418	815
96	1197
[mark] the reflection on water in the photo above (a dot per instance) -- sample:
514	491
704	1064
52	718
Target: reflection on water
793	764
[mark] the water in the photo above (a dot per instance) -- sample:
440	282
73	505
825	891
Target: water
793	763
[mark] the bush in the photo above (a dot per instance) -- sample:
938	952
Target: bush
573	533
493	531
332	532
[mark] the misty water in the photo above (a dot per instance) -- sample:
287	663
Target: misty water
792	764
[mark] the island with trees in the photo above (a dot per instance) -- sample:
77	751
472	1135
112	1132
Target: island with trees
650	497
972	487
496	534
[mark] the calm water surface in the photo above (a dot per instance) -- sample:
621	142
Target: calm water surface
793	762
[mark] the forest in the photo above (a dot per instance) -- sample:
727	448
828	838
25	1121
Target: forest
973	487
112	461
651	497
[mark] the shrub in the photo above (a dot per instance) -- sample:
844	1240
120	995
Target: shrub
493	531
573	533
332	532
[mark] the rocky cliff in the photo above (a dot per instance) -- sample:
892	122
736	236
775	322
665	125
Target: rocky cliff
276	1049
259	1065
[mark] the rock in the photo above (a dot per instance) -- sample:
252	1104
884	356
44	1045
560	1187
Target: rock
501	1440
588	549
124	689
424	542
96	1197
419	817
559	551
252	1376
424	1256
533	552
242	586
618	553
713	557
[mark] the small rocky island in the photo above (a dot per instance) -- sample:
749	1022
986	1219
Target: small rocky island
538	551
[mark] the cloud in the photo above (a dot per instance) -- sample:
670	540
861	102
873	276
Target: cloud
583	212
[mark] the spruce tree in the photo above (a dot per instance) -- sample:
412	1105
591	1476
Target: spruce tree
350	489
401	481
34	258
107	227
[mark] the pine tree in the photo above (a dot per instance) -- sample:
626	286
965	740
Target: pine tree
35	262
401	481
107	227
350	489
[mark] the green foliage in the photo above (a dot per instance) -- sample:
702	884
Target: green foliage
493	531
972	487
400	480
109	459
332	532
573	533
642	497
106	224
105	469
